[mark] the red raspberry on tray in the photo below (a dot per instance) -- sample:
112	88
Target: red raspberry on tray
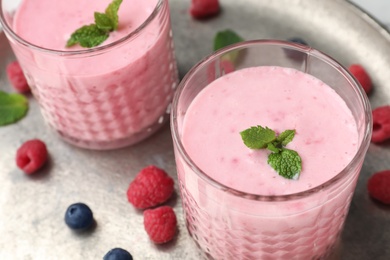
16	77
381	124
204	8
152	186
160	224
378	186
362	76
31	156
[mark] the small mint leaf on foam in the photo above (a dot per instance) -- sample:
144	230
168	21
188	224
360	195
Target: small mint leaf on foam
287	163
95	34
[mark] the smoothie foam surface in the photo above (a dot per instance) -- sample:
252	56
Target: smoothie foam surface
279	98
31	19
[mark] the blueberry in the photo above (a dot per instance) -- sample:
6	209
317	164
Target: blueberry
78	216
118	254
298	40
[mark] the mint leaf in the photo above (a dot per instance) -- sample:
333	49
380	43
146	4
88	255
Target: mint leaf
225	38
13	107
287	163
103	22
88	36
112	12
94	34
285	137
258	137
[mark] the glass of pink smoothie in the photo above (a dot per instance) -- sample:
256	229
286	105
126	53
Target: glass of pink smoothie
236	206
109	96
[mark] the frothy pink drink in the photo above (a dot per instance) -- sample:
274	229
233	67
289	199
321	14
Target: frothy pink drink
106	98
236	205
287	99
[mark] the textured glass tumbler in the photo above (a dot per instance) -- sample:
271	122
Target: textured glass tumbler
231	224
91	104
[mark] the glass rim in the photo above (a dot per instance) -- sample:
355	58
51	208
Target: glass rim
363	99
94	50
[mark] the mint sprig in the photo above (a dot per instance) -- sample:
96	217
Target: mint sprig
92	35
226	38
13	107
285	162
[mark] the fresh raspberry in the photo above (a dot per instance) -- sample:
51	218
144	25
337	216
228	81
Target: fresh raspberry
201	9
152	186
16	77
381	124
160	224
362	76
31	156
378	186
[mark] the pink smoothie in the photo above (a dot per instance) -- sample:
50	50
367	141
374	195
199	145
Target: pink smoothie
326	135
104	99
230	225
